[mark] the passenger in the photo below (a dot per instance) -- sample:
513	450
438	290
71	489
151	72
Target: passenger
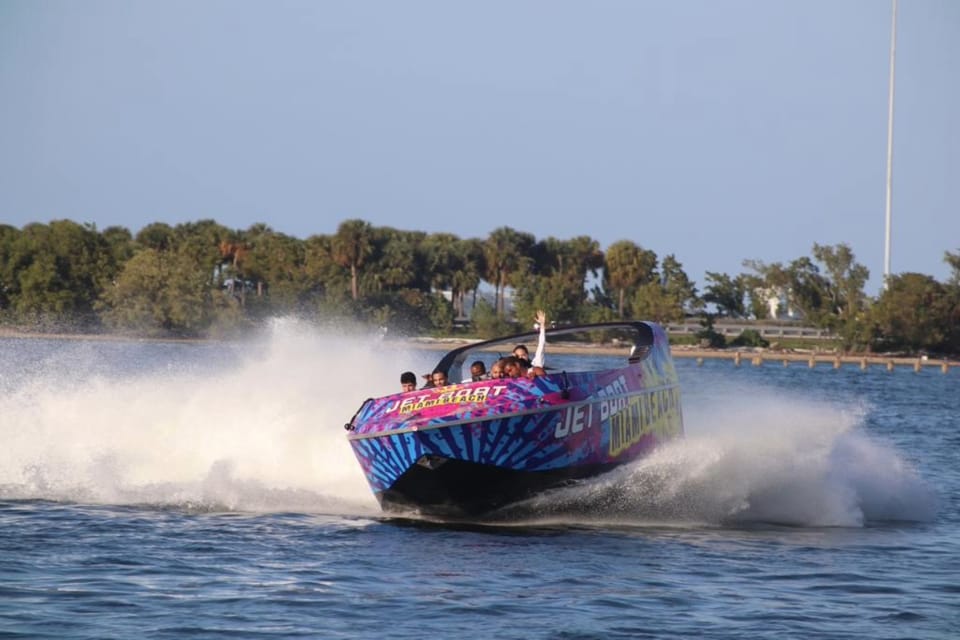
408	381
439	378
514	367
496	369
478	371
520	351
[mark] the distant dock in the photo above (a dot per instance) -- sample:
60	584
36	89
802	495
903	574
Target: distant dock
813	360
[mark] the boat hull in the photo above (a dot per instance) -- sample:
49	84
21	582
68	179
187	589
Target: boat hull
458	489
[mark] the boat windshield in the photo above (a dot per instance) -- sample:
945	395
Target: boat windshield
629	340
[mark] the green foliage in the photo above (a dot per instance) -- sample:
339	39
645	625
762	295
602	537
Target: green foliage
340	311
651	302
855	334
440	311
591	313
953	261
916	313
827	291
158	293
556	294
326	280
169	281
845	281
507	254
467	273
709	336
53	273
654	301
569	260
626	269
133	301
558	285
8	236
442	259
749	338
351	247
405	312
727	294
398	262
487	323
120	244
278	261
678	287
158	236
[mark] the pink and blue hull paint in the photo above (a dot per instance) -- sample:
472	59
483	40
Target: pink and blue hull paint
467	449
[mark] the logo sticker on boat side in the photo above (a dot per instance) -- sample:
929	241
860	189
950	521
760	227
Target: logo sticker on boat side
439	398
654	413
574	420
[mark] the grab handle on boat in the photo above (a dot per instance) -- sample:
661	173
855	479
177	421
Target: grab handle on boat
565	392
349	426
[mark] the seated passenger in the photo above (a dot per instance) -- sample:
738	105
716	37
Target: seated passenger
408	381
478	371
514	367
521	353
438	378
496	369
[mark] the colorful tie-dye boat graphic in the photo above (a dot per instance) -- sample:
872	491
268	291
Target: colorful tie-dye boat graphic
467	449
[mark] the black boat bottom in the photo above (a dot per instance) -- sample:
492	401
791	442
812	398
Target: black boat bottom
457	489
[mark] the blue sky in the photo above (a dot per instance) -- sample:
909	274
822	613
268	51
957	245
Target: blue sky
714	130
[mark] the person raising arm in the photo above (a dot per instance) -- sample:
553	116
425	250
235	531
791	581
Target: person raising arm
541	319
523	354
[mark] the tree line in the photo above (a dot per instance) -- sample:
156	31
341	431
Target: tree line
202	279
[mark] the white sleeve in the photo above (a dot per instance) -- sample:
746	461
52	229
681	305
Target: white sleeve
541	343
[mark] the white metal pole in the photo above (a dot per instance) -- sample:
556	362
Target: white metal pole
893	57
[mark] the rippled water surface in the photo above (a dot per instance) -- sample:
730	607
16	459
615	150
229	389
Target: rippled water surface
201	491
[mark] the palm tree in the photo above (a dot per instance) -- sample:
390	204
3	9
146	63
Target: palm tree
467	275
400	262
506	251
442	259
585	255
352	246
627	267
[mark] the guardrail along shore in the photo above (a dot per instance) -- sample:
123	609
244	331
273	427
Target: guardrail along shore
734	329
811	360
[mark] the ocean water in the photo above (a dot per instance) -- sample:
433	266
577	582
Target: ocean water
173	490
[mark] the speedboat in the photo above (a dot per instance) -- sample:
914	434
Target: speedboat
470	448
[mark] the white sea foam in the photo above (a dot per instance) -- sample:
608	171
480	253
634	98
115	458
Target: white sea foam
266	434
758	457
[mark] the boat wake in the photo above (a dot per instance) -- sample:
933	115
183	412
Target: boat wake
774	461
262	431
